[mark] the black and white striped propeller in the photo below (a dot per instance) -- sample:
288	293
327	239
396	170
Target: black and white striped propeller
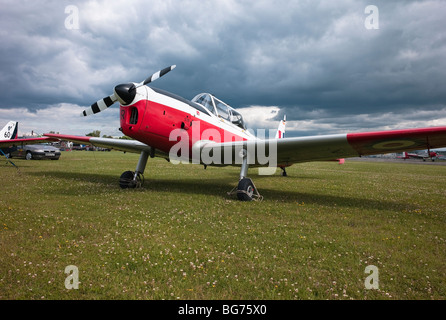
124	93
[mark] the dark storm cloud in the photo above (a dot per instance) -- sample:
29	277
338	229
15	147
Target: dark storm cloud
314	60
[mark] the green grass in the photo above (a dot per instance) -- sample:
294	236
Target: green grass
182	237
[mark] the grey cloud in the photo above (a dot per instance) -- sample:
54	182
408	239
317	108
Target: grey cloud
314	60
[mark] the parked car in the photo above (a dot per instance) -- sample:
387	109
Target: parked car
35	151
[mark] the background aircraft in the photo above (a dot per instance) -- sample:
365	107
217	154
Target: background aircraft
8	138
206	130
428	155
9	131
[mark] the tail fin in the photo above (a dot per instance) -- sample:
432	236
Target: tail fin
9	131
281	130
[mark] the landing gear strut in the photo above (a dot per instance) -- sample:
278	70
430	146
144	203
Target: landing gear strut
130	179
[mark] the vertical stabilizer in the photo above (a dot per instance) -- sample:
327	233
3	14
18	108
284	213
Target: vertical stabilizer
281	130
9	131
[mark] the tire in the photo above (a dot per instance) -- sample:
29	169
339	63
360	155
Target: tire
28	156
245	190
126	180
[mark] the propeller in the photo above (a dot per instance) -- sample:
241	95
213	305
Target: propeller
124	93
156	76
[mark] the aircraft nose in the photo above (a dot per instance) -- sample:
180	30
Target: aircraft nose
125	93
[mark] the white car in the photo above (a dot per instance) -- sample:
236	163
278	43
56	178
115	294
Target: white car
35	151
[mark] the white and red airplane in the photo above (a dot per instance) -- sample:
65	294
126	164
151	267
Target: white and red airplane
428	155
207	131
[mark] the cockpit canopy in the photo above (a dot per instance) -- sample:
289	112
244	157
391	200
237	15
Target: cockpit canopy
219	108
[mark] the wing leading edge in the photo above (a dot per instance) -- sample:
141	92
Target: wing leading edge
117	144
25	141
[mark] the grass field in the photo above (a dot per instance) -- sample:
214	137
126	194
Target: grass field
182	237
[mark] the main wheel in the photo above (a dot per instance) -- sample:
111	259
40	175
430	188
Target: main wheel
126	180
245	189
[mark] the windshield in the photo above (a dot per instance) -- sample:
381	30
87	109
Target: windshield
206	101
220	109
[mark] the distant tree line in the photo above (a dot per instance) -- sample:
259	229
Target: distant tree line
97	133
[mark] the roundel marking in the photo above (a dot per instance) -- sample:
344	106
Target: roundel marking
395	144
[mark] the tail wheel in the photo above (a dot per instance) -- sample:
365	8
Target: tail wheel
127	180
283	171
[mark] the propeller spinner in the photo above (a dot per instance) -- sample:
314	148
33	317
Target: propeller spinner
124	93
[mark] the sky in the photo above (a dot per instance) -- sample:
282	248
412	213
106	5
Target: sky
329	66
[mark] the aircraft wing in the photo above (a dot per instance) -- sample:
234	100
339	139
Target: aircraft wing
17	142
117	144
291	150
330	147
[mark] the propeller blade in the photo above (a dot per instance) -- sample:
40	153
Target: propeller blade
100	105
124	93
156	75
